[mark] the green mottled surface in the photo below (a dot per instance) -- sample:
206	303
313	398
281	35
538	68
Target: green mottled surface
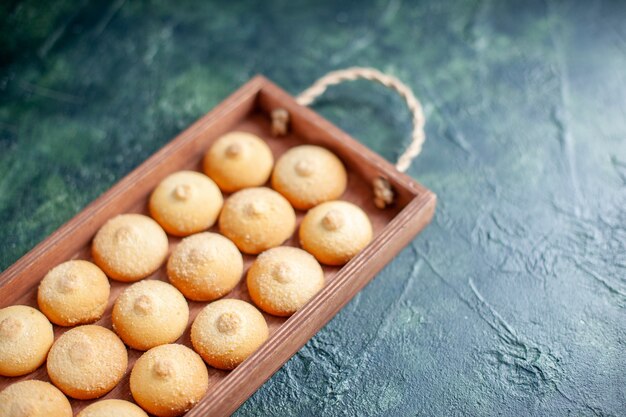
512	302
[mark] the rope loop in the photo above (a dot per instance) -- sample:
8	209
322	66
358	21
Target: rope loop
308	96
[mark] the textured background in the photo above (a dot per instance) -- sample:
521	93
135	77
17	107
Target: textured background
512	302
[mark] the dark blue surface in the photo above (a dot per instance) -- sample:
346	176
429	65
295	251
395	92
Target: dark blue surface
513	302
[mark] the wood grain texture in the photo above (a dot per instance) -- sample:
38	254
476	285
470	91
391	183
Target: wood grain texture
245	110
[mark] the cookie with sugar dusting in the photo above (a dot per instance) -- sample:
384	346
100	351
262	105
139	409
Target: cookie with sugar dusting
25	339
283	279
186	202
205	266
33	398
129	247
335	231
168	380
308	175
150	313
87	361
238	160
257	219
227	331
74	292
111	408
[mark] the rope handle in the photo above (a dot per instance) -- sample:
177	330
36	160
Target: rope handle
308	96
383	193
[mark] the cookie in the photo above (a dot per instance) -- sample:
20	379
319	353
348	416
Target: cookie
205	266
257	219
130	247
25	339
87	362
168	380
74	292
33	398
238	160
227	331
308	175
334	232
150	313
112	408
283	279
186	202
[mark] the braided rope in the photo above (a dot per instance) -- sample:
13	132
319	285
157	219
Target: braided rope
308	96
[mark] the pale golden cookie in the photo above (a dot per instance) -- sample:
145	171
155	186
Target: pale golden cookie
186	202
283	279
238	160
130	247
227	331
33	398
335	231
257	219
150	313
308	175
168	380
87	362
112	408
25	339
74	292
205	266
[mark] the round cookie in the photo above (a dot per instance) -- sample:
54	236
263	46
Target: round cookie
74	292
87	362
168	380
227	331
205	266
238	160
257	219
335	231
186	202
308	175
150	313
283	279
130	247
25	339
112	408
33	398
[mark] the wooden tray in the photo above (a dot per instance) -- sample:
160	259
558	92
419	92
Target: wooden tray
247	110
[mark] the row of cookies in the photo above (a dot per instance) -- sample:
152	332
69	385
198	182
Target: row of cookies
256	218
151	312
34	398
88	361
188	202
27	339
165	381
306	175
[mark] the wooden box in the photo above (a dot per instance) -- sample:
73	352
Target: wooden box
247	109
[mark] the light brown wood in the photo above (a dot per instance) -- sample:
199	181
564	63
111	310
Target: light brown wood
247	110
